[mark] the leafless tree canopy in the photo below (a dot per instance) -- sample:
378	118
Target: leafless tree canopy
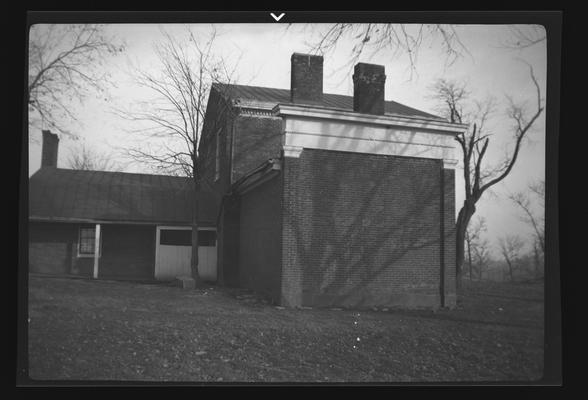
65	64
401	39
510	248
176	113
407	40
532	203
524	36
478	175
171	122
477	247
84	158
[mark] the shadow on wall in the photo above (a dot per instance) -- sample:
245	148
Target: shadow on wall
366	228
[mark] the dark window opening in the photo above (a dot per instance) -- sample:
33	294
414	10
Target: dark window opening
207	238
183	237
178	237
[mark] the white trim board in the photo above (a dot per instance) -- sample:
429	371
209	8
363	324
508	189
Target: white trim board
359	133
386	119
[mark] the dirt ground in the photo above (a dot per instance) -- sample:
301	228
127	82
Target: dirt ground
122	331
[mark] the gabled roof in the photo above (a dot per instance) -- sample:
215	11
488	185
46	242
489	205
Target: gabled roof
269	97
72	195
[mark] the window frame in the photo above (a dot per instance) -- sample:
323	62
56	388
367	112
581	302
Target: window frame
79	243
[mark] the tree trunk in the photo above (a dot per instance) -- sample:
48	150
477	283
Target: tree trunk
463	219
194	257
509	269
194	254
537	261
470	258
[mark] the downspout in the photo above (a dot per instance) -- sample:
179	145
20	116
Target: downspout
442	241
233	119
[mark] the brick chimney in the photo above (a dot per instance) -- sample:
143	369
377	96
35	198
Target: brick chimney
49	149
368	89
306	82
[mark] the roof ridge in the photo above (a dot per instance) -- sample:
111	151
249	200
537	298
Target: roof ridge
333	97
88	171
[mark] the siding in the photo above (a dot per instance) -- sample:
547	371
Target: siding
128	252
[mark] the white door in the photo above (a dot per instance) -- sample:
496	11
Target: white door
174	249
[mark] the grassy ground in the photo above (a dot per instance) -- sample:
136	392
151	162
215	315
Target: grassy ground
105	330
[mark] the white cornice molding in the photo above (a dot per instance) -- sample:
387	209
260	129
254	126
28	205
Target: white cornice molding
419	123
292	151
316	128
450	163
258	112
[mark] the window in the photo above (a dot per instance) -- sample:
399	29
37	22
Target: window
87	241
175	237
207	238
183	237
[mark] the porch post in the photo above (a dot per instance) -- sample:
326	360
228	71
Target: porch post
96	250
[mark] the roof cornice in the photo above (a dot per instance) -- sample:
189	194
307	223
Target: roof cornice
307	111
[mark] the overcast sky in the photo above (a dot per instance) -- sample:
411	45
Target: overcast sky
262	53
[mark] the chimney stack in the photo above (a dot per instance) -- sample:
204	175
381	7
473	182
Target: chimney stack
368	89
49	149
306	79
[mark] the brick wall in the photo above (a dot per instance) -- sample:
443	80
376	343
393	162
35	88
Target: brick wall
306	78
362	230
49	149
217	130
53	250
450	244
245	141
228	243
127	251
257	139
259	239
51	247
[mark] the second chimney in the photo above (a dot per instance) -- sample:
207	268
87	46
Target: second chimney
49	149
368	89
306	79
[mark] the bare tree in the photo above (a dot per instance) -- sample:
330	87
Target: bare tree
172	122
84	158
65	64
408	39
474	241
524	36
526	201
478	176
481	256
538	259
510	248
401	39
534	218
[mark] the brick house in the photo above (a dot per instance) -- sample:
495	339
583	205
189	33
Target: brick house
312	199
331	200
115	225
